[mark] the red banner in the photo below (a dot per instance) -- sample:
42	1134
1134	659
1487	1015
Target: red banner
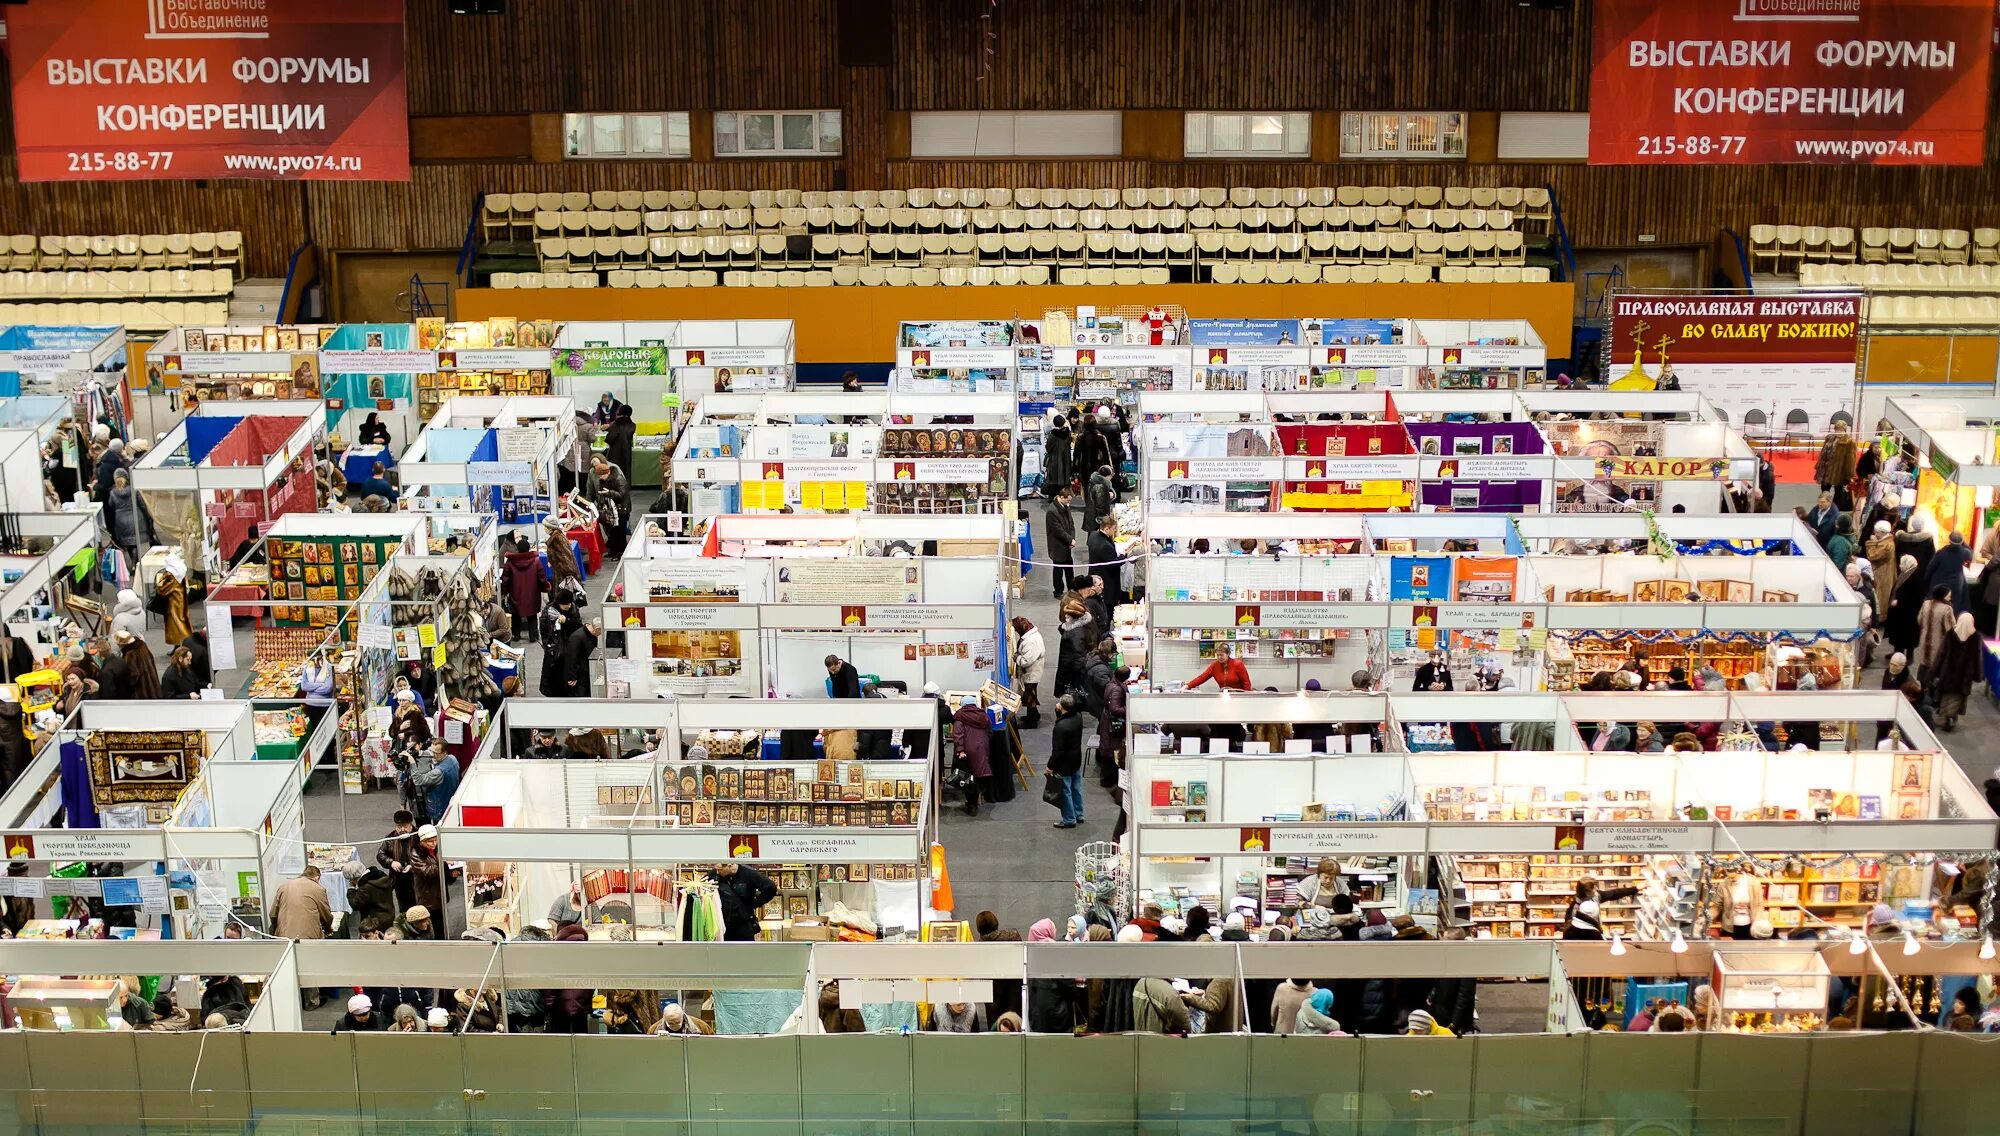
1804	327
116	90
1756	82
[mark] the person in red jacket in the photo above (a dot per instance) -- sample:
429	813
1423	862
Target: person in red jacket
1226	670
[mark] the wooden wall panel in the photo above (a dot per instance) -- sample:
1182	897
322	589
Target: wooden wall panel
1242	55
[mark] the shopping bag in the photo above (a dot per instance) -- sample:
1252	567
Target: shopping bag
1052	790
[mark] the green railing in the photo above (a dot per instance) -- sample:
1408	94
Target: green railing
1584	1085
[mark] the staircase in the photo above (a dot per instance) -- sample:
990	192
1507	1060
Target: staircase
257	300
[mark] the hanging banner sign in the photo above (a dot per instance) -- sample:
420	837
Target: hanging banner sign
573	361
123	90
495	359
1760	82
1769	354
729	357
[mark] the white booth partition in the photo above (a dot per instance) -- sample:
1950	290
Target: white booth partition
488	454
230	468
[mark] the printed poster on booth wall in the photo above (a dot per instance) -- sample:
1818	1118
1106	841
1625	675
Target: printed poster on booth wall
1484	579
122	90
1763	82
572	362
852	582
1426	578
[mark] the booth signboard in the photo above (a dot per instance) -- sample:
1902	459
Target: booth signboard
228	362
1217	469
1476	355
729	357
935	471
1242	333
571	362
1316	615
495	359
1387	467
1368	839
40	362
375	362
695	617
1664	469
933	358
1406	355
1486	469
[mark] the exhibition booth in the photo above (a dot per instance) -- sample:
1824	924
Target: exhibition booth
1319	604
228	471
759	602
81	365
1236	799
933	454
488	454
1948	443
197	798
39	556
846	839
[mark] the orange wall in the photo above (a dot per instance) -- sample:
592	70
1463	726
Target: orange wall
1931	359
858	324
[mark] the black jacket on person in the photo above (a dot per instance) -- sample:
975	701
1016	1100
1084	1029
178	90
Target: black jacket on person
742	894
1058	469
1066	744
348	1024
618	445
1105	563
197	645
845	681
1452	1003
577	650
1062	535
114	677
1096	677
222	991
179	682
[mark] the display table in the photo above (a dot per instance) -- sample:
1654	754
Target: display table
358	462
591	542
277	740
582	562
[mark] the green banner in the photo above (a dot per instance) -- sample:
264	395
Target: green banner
573	361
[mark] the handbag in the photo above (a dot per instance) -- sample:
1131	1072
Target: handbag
1052	790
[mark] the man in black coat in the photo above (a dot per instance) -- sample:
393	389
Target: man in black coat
1106	564
1062	539
743	890
1058	469
576	653
842	679
1066	758
552	628
1097	601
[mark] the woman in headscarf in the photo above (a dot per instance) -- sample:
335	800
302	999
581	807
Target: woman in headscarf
1958	670
1316	1017
1052	1002
1906	599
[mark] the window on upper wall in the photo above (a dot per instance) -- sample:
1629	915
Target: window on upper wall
1016	134
646	134
1209	134
777	133
1428	135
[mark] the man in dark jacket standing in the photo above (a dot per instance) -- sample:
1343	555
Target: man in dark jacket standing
843	681
1106	564
1059	469
553	627
576	654
744	890
1066	759
1062	539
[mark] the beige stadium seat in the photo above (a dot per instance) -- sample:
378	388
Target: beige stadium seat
1986	246
529	279
1324	196
503	280
1902	244
1457	196
1874	245
924	276
735	199
619	278
1035	274
1306	273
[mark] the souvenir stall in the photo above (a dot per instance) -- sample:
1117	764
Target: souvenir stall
498	357
1731	851
1234	801
38	555
80	365
44	994
846	841
1950	444
229	470
375	368
414	620
307	573
760	603
912	465
1781	617
190	803
717	356
1294	602
1479	354
955	357
1637	462
488	454
1090	356
1359	354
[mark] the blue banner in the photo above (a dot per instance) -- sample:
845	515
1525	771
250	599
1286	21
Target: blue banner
1243	332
